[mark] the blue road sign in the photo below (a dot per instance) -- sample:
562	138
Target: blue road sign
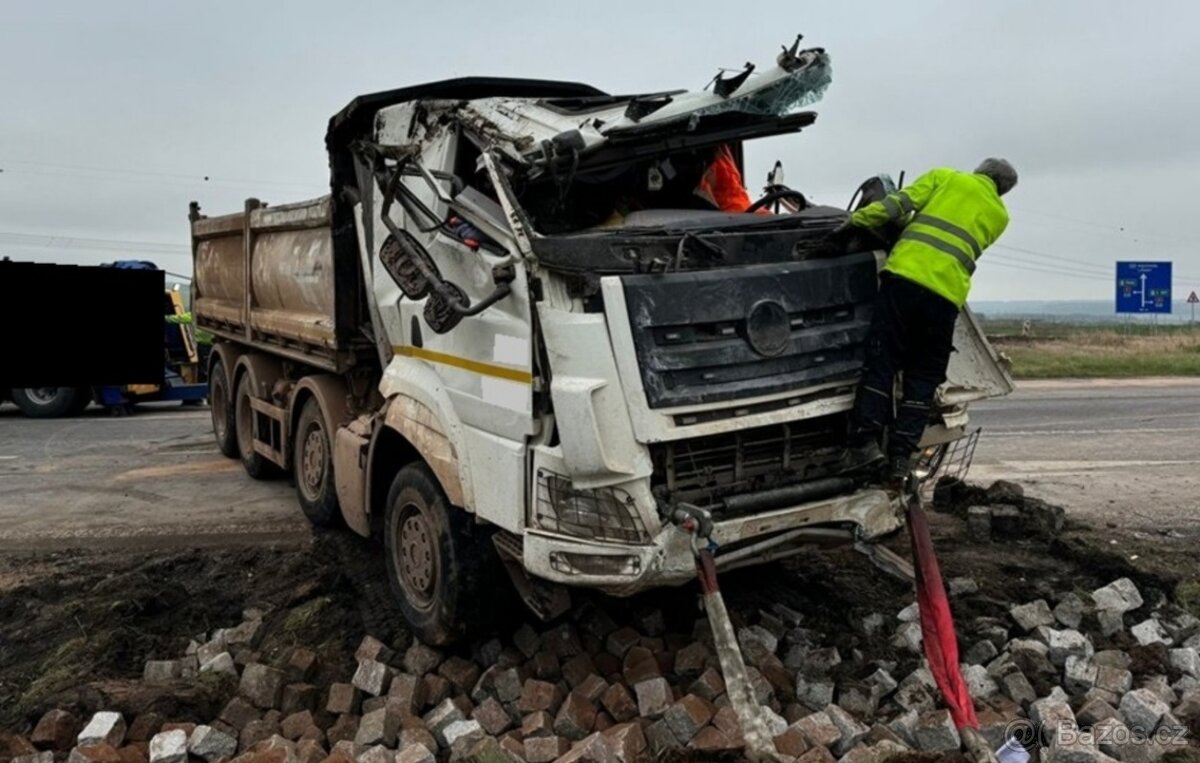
1143	287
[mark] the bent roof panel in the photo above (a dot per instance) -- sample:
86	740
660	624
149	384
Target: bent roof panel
357	115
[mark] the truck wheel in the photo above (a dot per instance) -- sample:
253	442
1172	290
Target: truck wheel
257	466
46	402
224	427
440	563
312	465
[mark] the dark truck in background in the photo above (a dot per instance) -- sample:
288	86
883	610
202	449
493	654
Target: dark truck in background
74	334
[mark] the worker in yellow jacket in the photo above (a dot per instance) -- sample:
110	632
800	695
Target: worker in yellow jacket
949	218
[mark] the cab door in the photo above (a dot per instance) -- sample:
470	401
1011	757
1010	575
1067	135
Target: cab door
484	361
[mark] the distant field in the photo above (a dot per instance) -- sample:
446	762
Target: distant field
1056	350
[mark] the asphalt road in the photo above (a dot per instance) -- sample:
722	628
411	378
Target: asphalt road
1121	452
153	478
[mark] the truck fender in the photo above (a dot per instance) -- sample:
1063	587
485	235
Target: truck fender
331	394
264	371
420	427
420	412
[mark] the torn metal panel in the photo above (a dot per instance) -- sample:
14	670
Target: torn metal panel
975	371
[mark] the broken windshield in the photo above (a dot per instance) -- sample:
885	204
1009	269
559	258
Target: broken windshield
694	186
671	157
803	85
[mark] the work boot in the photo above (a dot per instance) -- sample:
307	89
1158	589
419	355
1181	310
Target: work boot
899	469
865	459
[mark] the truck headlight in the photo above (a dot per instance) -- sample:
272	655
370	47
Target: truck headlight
605	513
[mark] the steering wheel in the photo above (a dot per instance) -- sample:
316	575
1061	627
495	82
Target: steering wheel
775	194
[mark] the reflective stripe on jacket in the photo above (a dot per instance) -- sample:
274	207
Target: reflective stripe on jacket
951	218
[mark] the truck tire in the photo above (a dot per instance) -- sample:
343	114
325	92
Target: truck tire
48	402
312	465
442	566
221	409
257	466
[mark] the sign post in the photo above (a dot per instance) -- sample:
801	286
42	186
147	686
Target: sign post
1192	300
1144	287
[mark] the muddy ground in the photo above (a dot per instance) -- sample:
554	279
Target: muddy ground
76	626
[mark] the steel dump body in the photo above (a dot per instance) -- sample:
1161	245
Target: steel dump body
267	277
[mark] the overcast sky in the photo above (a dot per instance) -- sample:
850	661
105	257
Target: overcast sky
112	114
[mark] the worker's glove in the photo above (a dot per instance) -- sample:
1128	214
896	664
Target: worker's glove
845	226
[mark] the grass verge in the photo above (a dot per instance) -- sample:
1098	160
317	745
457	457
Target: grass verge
1098	354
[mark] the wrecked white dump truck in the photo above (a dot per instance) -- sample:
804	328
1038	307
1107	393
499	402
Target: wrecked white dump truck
514	332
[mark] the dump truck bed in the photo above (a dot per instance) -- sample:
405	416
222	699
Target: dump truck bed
267	277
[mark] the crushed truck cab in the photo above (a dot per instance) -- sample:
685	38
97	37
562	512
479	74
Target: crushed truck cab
521	331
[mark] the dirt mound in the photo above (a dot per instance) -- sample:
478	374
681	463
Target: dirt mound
76	629
88	618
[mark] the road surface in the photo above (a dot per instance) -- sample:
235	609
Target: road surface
1125	452
153	478
1121	452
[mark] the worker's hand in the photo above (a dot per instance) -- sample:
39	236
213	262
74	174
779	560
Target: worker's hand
845	226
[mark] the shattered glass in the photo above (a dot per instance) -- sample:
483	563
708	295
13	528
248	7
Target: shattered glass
788	95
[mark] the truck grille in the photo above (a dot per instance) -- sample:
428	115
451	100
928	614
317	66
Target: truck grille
697	341
703	470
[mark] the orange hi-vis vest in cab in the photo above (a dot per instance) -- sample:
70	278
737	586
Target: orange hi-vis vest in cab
721	184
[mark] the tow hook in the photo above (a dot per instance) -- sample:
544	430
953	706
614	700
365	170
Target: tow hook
693	520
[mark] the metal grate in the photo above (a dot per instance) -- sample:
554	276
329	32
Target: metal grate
952	459
703	470
604	513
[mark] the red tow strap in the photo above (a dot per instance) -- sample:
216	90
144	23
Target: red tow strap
937	624
706	571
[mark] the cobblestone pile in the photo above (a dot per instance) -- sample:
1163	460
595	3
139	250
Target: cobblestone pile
595	689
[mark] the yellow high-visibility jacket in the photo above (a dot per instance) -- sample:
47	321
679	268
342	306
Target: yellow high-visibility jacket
950	218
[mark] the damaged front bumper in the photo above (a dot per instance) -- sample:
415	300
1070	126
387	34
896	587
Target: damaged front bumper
624	569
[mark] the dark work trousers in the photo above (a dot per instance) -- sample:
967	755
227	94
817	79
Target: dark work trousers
911	334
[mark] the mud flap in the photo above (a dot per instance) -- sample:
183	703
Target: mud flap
349	476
